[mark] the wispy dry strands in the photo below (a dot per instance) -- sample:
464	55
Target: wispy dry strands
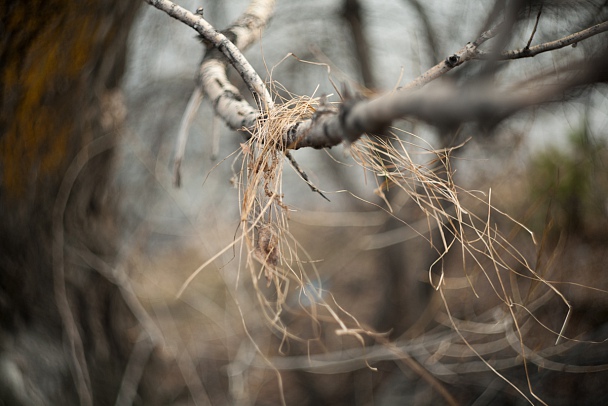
265	225
431	187
263	159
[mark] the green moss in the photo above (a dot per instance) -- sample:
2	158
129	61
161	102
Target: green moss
572	185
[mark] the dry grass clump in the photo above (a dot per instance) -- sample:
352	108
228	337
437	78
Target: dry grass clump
272	253
457	220
484	248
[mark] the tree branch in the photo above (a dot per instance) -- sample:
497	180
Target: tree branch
547	46
353	16
442	105
429	31
466	53
258	10
540	10
331	126
212	79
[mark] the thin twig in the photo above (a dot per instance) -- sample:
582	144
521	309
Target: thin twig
119	277
540	10
182	355
429	31
182	135
303	175
547	46
464	54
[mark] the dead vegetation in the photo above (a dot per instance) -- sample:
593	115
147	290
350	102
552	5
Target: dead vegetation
492	290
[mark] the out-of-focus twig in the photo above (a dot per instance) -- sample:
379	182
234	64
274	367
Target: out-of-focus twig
353	16
540	10
134	370
182	135
78	365
429	31
547	46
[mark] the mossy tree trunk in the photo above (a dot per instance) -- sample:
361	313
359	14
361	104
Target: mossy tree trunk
65	332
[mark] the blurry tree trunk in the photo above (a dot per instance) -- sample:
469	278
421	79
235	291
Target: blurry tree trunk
353	17
406	294
65	332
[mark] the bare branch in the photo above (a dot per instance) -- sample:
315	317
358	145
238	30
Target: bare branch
547	46
442	106
353	16
329	127
212	78
184	129
466	53
236	112
540	10
429	31
219	41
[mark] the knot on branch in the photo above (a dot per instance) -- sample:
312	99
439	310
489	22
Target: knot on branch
452	60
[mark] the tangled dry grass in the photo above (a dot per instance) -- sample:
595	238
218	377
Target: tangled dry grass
457	221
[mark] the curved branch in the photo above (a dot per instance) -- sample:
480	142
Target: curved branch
256	11
212	78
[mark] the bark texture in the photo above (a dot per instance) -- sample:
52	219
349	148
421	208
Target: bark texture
65	331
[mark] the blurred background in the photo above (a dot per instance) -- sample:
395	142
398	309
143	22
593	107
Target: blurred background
368	256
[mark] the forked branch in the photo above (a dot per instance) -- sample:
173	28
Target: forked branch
528	51
443	106
261	10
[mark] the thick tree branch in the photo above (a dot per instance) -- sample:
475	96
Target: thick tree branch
442	105
212	79
236	112
258	10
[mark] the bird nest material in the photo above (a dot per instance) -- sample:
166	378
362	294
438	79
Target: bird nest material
273	254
